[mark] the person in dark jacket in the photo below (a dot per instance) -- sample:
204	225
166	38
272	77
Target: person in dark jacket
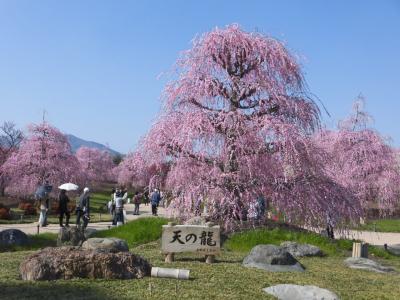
83	208
63	208
155	200
137	201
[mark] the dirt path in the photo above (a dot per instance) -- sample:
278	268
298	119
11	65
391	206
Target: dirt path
373	238
145	211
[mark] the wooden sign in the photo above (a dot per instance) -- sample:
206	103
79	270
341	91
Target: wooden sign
191	238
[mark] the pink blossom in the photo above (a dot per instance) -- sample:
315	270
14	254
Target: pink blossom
237	123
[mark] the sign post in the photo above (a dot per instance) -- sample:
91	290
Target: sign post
191	238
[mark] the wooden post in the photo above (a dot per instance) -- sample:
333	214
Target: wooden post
38	226
210	258
360	250
169	257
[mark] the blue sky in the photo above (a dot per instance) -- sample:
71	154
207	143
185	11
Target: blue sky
94	65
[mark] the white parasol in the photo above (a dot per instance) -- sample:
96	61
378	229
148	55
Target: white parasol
68	186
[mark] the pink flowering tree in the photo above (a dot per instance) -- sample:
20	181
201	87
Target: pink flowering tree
44	154
361	160
135	171
10	139
236	124
97	165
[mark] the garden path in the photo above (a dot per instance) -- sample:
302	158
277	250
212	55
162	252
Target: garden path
145	211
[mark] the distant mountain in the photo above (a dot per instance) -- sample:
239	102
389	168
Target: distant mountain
76	143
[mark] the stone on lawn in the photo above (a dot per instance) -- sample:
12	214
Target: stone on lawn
89	232
272	258
106	244
74	262
300	292
393	249
70	236
300	250
367	264
10	237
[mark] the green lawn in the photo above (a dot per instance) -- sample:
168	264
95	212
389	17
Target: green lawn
37	241
136	232
226	279
243	242
381	225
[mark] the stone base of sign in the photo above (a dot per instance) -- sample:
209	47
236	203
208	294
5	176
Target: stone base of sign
169	257
210	259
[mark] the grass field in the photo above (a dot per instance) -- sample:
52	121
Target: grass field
381	225
226	279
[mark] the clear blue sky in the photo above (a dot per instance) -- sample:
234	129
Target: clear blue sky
93	65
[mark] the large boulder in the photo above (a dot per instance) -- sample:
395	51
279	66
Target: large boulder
74	262
367	264
71	236
300	292
106	245
272	258
13	237
89	232
300	250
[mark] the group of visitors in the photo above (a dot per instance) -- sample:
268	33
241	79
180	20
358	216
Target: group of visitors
119	197
82	206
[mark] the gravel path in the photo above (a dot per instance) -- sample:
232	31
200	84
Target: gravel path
145	211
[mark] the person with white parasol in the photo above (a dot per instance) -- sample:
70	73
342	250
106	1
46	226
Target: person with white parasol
63	202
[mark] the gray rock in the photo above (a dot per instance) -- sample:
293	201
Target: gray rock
70	236
11	237
196	221
367	264
300	250
300	292
394	249
74	262
89	232
272	258
106	245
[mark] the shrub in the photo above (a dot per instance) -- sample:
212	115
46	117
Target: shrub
28	208
5	213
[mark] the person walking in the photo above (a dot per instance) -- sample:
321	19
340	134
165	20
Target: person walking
155	200
119	209
83	208
111	204
42	196
63	208
146	197
137	201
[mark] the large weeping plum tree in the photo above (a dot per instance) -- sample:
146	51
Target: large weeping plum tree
237	124
44	154
361	160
